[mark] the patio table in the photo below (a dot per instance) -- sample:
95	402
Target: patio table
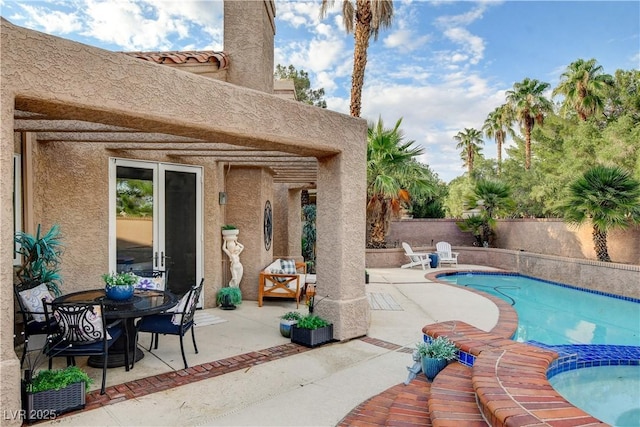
143	303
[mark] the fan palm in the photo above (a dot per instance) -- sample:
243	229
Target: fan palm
363	18
584	87
492	197
469	141
607	196
529	105
392	176
496	126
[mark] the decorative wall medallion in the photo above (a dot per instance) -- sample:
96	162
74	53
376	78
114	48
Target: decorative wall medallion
268	225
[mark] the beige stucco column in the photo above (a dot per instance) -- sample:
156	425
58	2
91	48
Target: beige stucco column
287	220
340	228
248	189
9	363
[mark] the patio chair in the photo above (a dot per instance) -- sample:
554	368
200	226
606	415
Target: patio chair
151	279
178	321
31	310
421	259
283	278
443	249
81	330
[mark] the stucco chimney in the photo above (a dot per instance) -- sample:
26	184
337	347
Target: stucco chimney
249	30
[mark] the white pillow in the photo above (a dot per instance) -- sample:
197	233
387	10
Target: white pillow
32	301
275	265
150	283
179	308
302	279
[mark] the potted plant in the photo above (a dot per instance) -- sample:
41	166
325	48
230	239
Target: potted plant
311	331
40	259
230	230
287	320
51	392
435	355
120	286
229	297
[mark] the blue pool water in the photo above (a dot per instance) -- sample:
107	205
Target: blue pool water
612	393
597	338
559	314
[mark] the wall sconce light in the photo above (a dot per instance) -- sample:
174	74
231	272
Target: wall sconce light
222	198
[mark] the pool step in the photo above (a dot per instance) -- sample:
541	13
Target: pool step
401	405
509	379
452	401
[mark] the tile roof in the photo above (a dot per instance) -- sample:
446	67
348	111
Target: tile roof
184	57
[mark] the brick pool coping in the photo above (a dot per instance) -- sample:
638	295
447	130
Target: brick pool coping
509	378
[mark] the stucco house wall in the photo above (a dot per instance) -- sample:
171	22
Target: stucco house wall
61	79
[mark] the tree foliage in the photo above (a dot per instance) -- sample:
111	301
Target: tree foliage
469	141
529	106
302	85
608	197
565	147
363	18
584	87
393	176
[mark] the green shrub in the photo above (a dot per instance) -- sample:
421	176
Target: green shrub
57	379
235	295
126	278
439	348
292	315
311	321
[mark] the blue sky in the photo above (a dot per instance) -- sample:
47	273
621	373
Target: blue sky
442	66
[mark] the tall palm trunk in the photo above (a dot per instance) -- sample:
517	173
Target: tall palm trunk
380	225
499	140
529	121
600	241
361	34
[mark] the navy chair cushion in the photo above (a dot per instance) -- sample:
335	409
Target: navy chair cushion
62	349
161	324
39	328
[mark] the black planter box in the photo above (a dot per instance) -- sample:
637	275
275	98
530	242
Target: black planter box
311	337
47	405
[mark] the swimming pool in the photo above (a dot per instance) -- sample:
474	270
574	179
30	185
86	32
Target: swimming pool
553	313
589	330
611	393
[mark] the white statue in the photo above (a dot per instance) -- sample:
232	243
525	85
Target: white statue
232	248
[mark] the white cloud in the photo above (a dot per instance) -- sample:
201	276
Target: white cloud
472	45
464	19
51	21
405	41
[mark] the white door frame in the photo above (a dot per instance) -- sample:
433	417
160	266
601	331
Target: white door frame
158	169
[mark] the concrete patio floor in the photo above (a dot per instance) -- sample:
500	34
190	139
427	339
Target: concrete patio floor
313	388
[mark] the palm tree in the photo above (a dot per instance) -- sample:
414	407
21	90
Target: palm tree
469	141
529	105
491	197
607	196
584	87
392	176
364	19
496	126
